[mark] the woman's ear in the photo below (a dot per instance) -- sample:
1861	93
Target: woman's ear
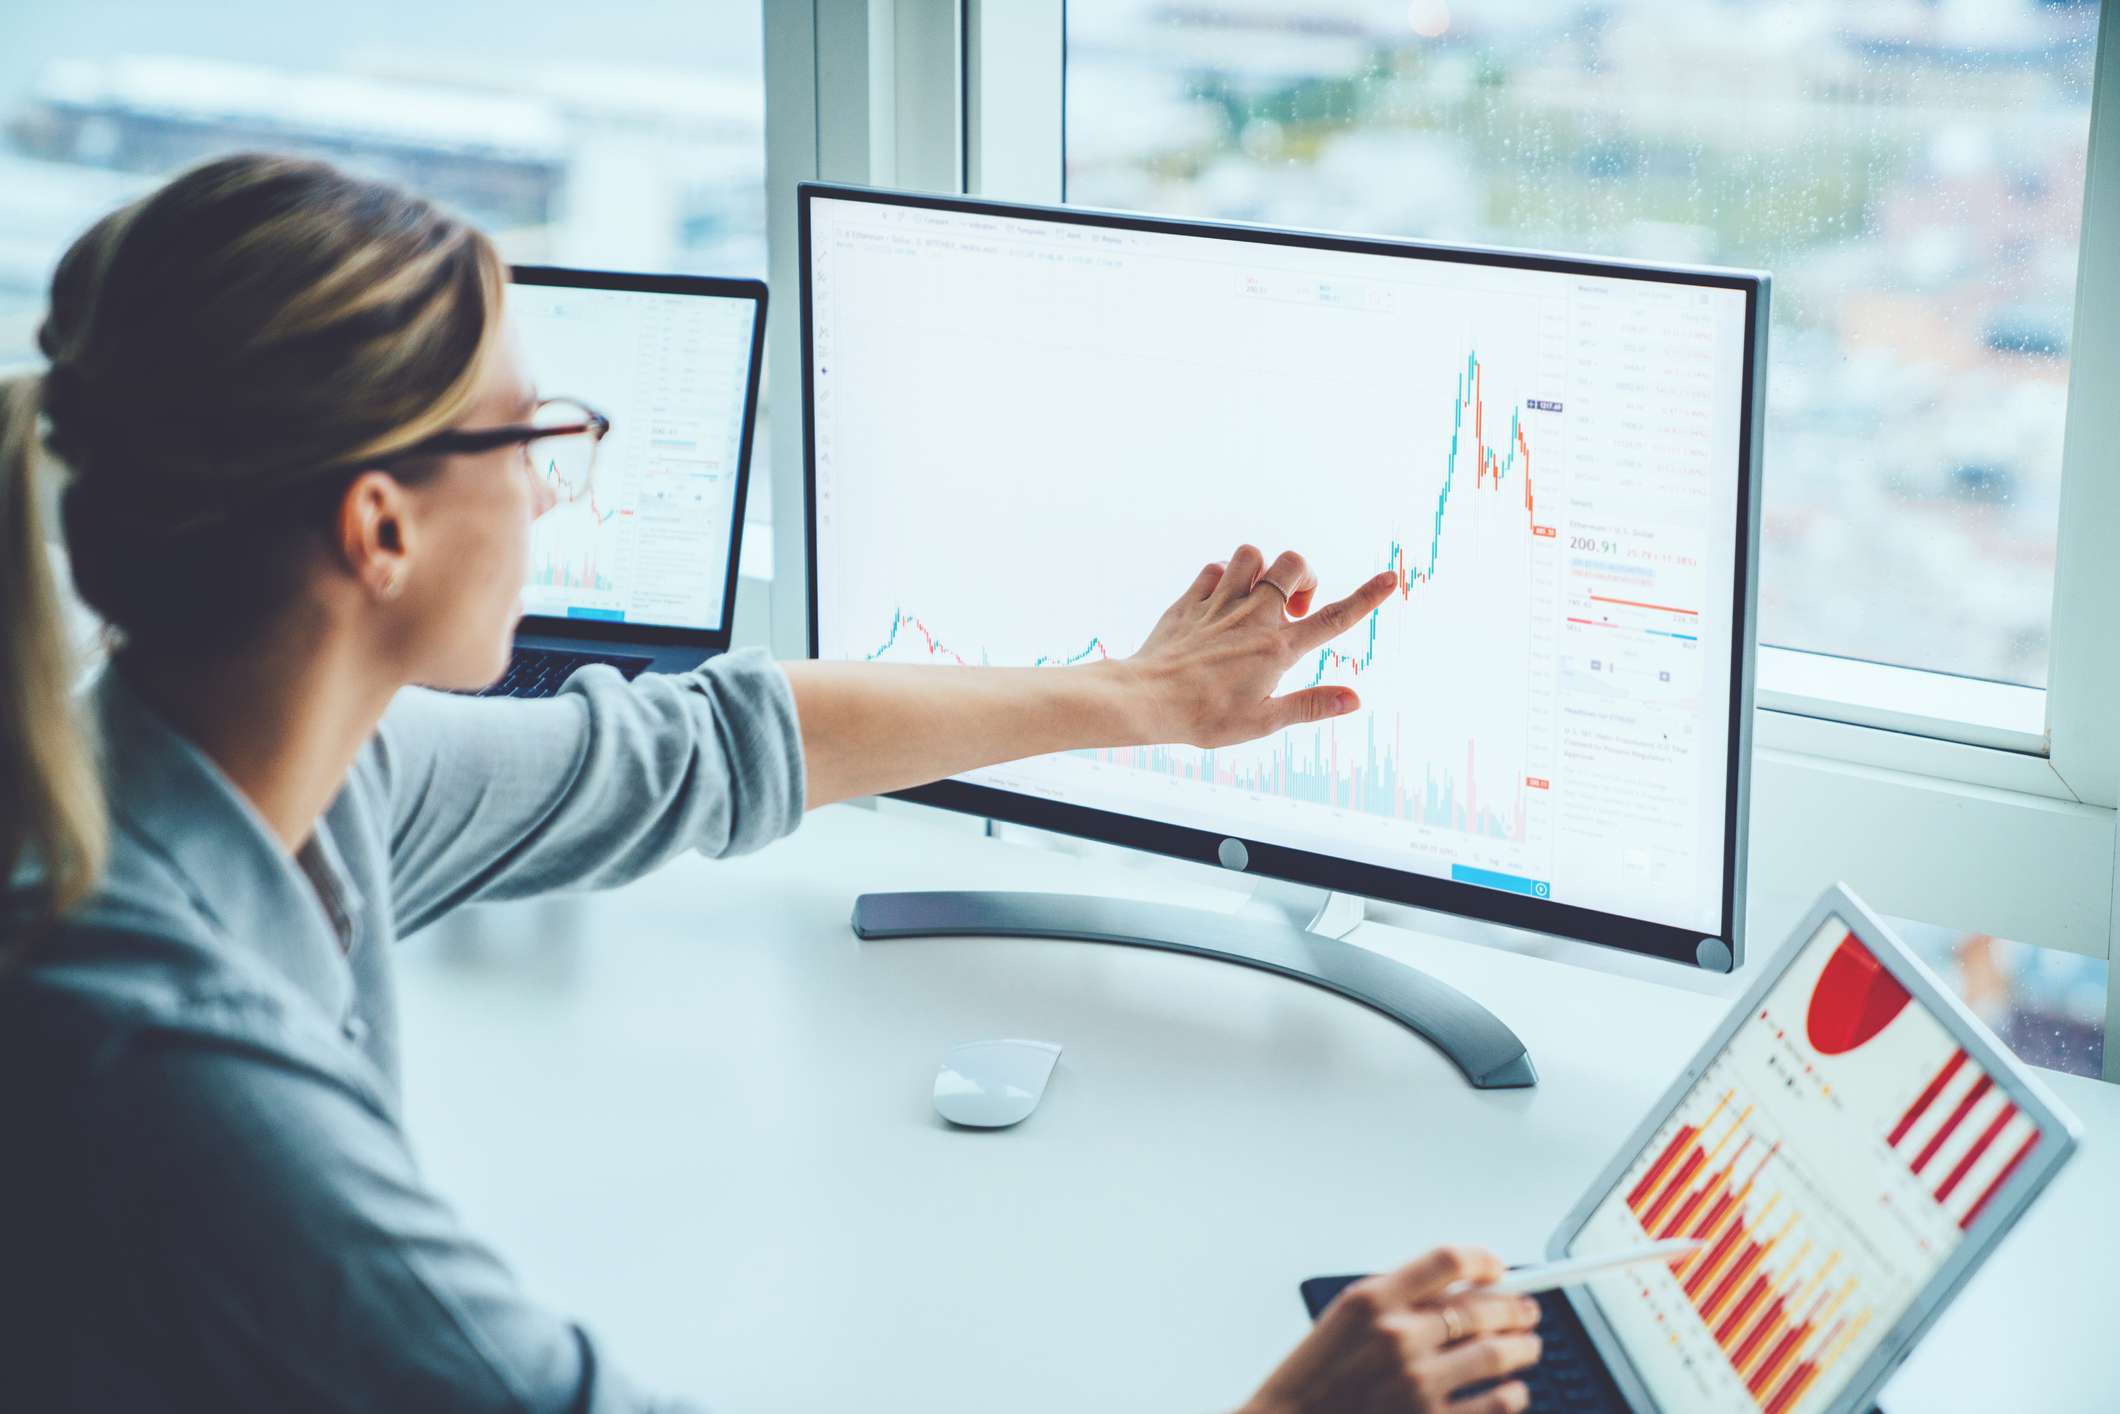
375	532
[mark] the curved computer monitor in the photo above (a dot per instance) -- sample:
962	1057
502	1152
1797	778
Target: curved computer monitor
1027	427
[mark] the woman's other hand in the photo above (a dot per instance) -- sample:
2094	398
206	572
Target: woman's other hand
1404	1343
1209	667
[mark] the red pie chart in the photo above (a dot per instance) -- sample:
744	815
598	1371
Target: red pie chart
1854	1000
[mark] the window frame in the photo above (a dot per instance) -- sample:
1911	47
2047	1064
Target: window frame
1982	805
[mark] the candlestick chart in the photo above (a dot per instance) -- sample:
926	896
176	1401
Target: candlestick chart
1470	502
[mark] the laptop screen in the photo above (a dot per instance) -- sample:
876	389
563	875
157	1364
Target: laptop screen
651	544
1832	1157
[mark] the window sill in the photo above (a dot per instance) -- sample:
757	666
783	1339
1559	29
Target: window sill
1938	706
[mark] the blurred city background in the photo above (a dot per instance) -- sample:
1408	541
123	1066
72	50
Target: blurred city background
1910	171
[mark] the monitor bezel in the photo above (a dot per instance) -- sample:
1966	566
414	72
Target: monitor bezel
2059	1136
714	639
1722	951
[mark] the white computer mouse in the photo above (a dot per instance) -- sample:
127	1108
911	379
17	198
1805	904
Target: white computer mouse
993	1084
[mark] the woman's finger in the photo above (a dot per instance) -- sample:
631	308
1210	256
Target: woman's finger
1241	573
1205	581
1336	618
1487	1313
1485	1357
1511	1398
1425	1278
1292	575
1311	704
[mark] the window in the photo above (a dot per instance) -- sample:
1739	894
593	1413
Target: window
2047	1006
1912	174
631	139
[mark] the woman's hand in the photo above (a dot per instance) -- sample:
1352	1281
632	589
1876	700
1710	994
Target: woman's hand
1209	667
1205	676
1402	1344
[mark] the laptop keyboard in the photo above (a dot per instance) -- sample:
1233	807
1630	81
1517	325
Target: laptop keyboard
538	672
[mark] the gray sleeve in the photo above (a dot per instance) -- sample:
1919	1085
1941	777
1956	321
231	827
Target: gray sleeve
495	798
280	1242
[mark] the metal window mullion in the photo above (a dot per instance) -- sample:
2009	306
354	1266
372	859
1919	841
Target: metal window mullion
865	91
927	95
1015	92
791	74
2083	692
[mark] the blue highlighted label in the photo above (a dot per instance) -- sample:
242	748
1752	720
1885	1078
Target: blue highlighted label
609	616
1507	883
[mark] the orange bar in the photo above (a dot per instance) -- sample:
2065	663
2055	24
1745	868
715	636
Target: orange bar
1672	1150
1793	1387
1821	1311
1671	1190
1710	1259
1750	1344
1832	1355
1637	604
1723	1292
1772	1321
1525	448
1710	1193
1720	1239
1784	1350
1781	1397
1711	1309
1710	1266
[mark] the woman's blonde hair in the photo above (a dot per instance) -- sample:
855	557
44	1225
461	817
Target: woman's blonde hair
221	356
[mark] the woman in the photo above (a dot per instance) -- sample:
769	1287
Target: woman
297	433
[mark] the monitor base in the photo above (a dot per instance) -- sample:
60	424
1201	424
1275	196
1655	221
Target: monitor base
1328	913
1469	1036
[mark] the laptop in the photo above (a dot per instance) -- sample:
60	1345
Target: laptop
1849	1145
641	574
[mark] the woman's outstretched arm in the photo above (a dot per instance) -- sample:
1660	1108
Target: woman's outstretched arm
1205	676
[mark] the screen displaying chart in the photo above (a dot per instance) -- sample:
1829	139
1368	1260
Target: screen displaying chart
1830	1160
1030	433
650	543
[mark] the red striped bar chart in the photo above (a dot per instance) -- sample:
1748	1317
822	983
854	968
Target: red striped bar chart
1963	1137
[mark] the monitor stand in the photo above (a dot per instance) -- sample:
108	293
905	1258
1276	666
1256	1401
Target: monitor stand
1284	928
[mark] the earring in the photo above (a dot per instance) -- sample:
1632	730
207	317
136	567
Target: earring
391	585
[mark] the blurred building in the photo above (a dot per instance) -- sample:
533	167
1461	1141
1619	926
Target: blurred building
633	168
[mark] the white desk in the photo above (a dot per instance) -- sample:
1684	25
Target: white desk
695	1114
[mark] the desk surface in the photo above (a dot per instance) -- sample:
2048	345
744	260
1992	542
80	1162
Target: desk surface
751	1201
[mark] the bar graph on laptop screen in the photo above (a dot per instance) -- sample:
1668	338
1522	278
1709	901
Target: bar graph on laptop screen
649	545
1030	434
1831	1159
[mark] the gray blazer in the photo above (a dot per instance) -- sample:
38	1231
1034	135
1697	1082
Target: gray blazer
206	1198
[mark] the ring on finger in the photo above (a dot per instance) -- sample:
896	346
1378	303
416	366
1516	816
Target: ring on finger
1453	1326
1262	579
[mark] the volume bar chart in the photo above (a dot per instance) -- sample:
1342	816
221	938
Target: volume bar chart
1317	767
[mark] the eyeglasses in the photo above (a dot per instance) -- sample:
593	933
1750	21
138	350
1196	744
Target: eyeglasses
560	439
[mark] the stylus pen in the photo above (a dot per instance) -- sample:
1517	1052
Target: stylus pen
1546	1276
